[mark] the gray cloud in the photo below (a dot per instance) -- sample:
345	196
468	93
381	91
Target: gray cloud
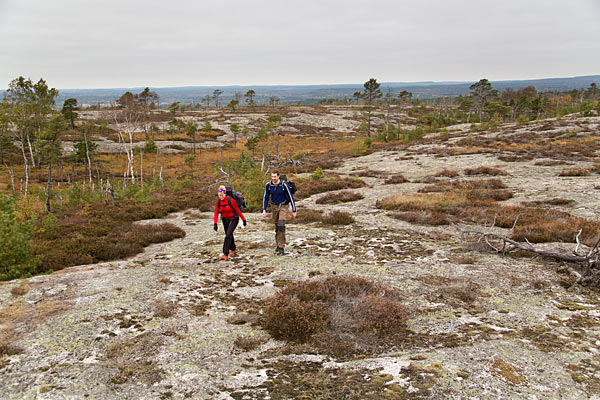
113	43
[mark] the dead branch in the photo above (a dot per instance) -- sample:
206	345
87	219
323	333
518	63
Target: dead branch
504	245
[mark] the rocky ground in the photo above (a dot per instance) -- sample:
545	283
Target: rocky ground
172	321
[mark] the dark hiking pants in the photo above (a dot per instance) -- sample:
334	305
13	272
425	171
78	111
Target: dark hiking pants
229	226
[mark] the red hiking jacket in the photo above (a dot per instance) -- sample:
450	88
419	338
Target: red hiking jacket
227	211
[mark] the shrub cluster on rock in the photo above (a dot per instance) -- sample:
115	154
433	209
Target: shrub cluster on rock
343	196
335	313
307	188
477	201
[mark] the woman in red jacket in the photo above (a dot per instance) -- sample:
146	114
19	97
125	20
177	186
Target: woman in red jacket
229	211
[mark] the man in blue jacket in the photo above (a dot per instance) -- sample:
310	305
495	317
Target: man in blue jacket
281	197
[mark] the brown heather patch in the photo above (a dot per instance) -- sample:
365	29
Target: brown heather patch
480	206
7	339
508	372
347	307
395	179
371	173
307	216
333	218
559	201
423	217
447	173
310	187
248	343
575	172
340	197
164	309
132	359
484	171
21	289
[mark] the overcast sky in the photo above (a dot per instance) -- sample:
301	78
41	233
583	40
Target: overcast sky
132	43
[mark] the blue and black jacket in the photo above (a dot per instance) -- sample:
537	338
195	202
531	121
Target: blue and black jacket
279	194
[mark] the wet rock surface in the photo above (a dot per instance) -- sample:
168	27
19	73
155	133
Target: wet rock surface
176	322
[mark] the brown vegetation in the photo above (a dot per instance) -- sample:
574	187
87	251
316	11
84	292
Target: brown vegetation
395	179
476	201
575	172
334	307
340	197
484	171
447	173
333	218
309	187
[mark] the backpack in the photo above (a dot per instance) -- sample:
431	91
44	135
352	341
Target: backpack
237	196
290	184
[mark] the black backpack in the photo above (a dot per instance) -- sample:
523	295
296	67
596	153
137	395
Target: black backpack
237	196
290	184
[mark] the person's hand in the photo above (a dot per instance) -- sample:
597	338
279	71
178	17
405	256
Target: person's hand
293	214
264	213
215	227
244	223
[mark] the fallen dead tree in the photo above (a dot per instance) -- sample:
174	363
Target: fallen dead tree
588	258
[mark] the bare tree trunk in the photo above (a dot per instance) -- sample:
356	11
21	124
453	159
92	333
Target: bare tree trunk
48	210
87	154
142	168
31	151
11	172
26	171
387	123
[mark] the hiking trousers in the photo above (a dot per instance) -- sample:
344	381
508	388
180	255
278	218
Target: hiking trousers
280	215
229	226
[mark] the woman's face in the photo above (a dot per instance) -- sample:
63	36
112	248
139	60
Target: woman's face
221	195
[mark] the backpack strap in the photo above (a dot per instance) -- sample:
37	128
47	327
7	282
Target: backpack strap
222	207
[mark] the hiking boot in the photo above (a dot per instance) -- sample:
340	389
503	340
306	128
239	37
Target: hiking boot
279	251
231	253
224	257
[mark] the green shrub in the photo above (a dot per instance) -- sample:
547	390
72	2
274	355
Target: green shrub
318	174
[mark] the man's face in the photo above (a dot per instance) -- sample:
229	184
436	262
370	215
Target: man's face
274	177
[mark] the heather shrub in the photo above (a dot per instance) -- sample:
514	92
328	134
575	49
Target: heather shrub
308	188
340	197
574	172
338	218
484	171
316	311
447	173
395	179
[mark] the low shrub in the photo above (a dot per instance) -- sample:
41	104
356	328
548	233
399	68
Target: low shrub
480	206
485	171
371	173
423	217
311	187
100	232
575	172
450	173
338	218
307	216
395	179
559	201
333	307
248	343
340	197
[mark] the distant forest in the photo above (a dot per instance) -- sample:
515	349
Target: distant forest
313	94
